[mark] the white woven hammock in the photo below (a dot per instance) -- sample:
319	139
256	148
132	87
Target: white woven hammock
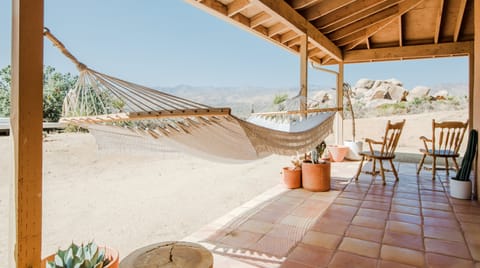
114	108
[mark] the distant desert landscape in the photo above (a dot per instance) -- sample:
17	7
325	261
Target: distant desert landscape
130	199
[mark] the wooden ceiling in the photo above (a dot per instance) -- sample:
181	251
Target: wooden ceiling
356	30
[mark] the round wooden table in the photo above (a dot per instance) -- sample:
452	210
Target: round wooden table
170	254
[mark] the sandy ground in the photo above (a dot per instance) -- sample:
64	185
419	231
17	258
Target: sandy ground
128	200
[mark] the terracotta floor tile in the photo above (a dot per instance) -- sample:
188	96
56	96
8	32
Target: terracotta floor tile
275	246
395	216
374	213
340	212
404	227
470	227
291	200
330	226
347	201
443	233
284	208
437	213
309	255
292	264
475	251
319	239
391	264
436	260
287	231
360	247
406	202
466	209
270	216
368	222
307	212
411	196
375	205
378	198
473	237
402	255
403	240
458	249
241	239
315	204
352	195
468	218
302	222
405	209
381	192
435	199
365	233
347	260
449	223
434	205
300	192
255	226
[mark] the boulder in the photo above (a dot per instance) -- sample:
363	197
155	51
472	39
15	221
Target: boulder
364	83
394	82
418	92
441	93
396	92
378	94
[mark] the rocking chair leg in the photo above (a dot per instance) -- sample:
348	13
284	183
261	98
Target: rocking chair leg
455	163
420	165
393	169
359	168
434	167
446	165
382	172
374	161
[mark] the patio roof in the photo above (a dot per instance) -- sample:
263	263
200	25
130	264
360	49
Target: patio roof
355	30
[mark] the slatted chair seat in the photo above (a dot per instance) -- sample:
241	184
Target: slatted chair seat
446	139
387	145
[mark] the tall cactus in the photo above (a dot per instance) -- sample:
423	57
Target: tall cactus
463	173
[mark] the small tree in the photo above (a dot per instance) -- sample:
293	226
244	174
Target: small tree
348	93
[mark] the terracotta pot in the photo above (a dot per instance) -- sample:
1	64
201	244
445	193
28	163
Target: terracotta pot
111	254
316	177
292	177
337	152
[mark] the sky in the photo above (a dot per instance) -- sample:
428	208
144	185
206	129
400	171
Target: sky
170	42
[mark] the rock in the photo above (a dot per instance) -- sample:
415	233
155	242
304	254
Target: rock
378	94
418	92
441	93
364	83
394	81
396	92
360	92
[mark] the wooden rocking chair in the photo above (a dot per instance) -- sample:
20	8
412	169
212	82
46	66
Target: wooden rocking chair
387	149
445	142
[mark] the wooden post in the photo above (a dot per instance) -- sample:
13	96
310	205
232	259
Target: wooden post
26	129
475	97
339	123
304	73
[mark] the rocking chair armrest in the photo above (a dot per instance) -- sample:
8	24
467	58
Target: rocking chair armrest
371	141
425	139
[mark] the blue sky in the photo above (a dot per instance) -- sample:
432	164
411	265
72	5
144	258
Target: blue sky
170	42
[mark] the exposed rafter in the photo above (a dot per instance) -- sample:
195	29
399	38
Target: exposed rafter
458	23
289	16
403	8
400	32
260	18
237	6
419	51
297	4
323	8
276	29
438	21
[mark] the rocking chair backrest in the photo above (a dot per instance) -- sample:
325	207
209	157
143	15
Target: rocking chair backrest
448	135
392	135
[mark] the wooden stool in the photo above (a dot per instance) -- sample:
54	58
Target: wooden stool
169	254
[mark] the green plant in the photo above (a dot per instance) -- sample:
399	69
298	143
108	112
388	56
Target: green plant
348	92
314	156
83	256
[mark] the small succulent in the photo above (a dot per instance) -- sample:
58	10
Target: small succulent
314	156
83	256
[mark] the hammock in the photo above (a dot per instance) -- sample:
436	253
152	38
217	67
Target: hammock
108	106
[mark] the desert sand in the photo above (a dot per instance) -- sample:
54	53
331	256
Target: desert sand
128	200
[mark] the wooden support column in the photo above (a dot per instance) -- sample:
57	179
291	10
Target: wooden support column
475	98
471	94
26	129
304	73
339	123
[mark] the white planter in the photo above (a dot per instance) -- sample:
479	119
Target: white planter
355	148
460	189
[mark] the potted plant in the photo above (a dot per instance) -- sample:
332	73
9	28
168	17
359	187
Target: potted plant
292	176
82	256
460	185
316	172
354	146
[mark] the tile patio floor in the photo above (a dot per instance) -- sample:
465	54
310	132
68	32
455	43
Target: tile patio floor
411	223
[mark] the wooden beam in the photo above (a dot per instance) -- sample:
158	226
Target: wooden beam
400	32
403	7
259	19
365	23
237	6
347	12
324	7
418	51
475	72
290	17
288	36
303	73
438	21
458	22
297	4
276	29
26	128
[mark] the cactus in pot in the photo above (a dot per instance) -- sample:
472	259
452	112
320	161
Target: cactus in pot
80	256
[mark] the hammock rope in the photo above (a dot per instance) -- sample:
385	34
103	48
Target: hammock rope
109	106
